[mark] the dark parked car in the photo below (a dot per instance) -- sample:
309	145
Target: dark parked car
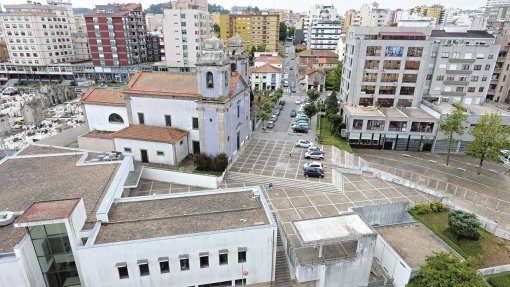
282	103
300	129
292	113
313	171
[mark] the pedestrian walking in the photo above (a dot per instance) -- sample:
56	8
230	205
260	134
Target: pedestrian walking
270	186
290	153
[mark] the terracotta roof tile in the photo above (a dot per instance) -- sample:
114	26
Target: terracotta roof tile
104	97
164	84
49	210
318	54
151	133
269	59
265	69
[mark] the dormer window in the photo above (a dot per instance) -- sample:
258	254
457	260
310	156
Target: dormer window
209	78
226	78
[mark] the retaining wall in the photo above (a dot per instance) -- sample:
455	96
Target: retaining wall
192	179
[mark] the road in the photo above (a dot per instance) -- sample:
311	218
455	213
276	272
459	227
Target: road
290	66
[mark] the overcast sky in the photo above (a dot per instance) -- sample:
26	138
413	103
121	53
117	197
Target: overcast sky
295	5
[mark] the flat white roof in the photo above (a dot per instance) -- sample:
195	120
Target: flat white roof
332	228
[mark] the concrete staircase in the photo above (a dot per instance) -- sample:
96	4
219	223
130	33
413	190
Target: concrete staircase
280	182
282	274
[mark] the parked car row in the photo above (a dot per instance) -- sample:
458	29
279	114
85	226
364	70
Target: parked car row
275	114
315	168
301	123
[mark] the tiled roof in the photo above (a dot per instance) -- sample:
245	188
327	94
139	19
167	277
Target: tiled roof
164	84
150	133
265	69
310	71
318	54
269	59
104	97
49	210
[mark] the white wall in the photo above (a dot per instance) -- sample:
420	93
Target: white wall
22	268
181	177
12	272
97	144
151	147
98	261
97	117
155	109
392	263
267	80
66	137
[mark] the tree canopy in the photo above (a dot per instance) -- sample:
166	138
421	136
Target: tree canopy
313	94
310	110
490	136
217	8
445	269
453	125
334	78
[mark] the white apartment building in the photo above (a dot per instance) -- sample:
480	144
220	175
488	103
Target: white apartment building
494	3
391	75
324	35
38	34
319	12
265	77
154	22
371	15
94	234
184	28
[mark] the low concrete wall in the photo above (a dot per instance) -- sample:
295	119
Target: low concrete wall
66	137
494	270
384	214
99	144
338	180
192	179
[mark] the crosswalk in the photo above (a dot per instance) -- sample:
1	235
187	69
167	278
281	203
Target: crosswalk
281	182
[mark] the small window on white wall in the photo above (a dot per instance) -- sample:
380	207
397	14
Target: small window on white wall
115	119
127	149
160	153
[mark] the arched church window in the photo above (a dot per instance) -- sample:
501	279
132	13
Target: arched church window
226	78
209	79
115	119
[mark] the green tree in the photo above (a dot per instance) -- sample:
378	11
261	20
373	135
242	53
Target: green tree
216	28
313	94
290	31
445	269
310	110
331	103
336	122
264	115
452	125
334	78
464	224
217	8
282	32
490	136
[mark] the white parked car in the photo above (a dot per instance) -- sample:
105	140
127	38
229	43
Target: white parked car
304	143
314	148
298	102
314	155
315	164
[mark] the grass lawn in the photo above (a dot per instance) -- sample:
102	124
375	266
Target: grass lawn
488	251
327	138
500	280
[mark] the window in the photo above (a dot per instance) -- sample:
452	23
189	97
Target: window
223	257
238	110
240	282
442	66
459	89
471	89
490	56
414	51
474	78
465	67
480	56
480	89
184	260
241	255
168	120
434	55
209	79
164	266
204	260
429	77
127	149
115	119
477	67
445	55
160	153
143	266
141	118
484	78
487	67
194	123
412	65
123	270
373	51
455	55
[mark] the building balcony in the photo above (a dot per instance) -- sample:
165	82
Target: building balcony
457	94
459	72
461	83
461	60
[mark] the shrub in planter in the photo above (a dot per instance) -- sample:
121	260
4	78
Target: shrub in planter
422	208
202	161
219	162
437	206
464	224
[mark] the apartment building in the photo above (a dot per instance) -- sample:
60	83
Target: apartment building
116	35
37	35
96	235
185	26
494	3
436	11
154	47
372	15
388	72
324	35
4	53
257	30
320	12
154	22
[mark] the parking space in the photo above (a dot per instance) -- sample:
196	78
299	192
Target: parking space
277	158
